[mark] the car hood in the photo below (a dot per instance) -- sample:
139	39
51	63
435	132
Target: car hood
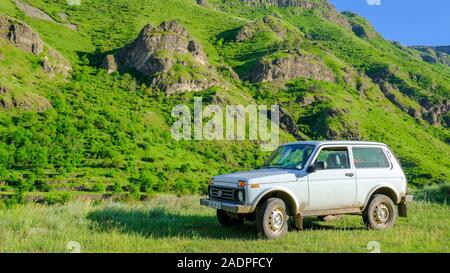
260	176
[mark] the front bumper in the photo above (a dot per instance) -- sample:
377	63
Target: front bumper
236	208
402	206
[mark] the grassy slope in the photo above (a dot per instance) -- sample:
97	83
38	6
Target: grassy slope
110	129
171	224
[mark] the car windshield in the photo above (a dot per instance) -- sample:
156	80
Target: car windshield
292	156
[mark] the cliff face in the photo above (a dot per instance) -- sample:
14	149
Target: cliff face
432	54
291	66
20	35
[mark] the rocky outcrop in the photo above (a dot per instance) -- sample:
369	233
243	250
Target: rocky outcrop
437	114
39	14
23	37
434	55
322	7
442	49
360	26
294	65
27	101
390	92
267	24
33	12
202	3
66	19
288	124
169	58
54	63
109	63
20	35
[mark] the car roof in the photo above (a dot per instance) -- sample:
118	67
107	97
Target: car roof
336	142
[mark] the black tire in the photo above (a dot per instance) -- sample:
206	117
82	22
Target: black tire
227	221
267	225
380	213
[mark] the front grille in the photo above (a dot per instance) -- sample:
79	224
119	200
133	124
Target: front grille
220	193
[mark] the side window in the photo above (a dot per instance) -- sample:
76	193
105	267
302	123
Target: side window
334	158
368	157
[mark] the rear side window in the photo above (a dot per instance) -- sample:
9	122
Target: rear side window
334	158
369	157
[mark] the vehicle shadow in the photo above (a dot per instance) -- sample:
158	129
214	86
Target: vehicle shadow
316	224
161	223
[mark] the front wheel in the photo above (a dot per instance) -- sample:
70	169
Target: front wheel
271	219
227	221
380	213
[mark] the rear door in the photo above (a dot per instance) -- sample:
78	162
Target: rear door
335	186
373	168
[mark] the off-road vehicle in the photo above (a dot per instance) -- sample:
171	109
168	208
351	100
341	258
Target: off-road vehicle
313	179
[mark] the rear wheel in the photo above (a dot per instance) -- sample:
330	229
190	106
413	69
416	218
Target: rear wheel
271	219
380	213
227	221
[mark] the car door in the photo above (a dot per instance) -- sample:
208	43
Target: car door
372	169
334	187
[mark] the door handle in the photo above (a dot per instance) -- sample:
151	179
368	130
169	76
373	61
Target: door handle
349	174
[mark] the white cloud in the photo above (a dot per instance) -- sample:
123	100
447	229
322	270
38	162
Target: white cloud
374	2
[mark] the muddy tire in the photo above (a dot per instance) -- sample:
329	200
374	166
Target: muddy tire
272	219
380	213
227	221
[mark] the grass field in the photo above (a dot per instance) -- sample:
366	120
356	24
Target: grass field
167	223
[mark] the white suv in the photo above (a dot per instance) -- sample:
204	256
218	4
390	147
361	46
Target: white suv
314	178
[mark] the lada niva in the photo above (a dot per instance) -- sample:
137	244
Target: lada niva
313	179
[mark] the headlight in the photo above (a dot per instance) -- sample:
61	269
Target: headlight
240	196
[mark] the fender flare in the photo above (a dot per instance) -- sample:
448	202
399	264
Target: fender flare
379	187
292	202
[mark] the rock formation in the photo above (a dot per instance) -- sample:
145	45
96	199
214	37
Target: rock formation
294	65
169	57
54	63
434	55
33	12
437	114
20	35
267	24
109	63
323	8
202	2
27	101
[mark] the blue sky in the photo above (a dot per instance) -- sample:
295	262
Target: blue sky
411	22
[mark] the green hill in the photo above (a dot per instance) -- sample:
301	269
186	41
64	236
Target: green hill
88	130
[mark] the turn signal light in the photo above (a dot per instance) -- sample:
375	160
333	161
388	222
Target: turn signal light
255	186
242	183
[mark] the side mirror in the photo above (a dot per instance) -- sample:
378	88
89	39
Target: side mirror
311	169
318	166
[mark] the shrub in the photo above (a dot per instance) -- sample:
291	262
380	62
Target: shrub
116	187
56	198
99	187
42	186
